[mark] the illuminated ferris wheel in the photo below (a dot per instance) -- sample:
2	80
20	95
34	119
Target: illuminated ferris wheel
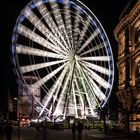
62	43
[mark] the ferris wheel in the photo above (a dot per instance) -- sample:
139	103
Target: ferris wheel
63	44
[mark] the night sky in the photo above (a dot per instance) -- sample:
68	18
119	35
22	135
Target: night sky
107	12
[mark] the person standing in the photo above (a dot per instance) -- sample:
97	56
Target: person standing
1	130
80	130
8	130
73	131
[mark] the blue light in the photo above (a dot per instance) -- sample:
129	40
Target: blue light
73	5
103	36
111	65
82	11
39	3
13	49
60	1
94	23
108	50
15	28
45	1
110	79
13	38
31	6
21	18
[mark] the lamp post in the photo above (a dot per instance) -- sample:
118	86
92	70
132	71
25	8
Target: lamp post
19	126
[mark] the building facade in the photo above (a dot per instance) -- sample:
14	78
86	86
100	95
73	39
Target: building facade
127	34
27	94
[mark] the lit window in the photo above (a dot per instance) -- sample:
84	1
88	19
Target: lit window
139	69
137	36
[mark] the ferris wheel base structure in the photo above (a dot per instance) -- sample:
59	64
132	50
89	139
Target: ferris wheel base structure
63	44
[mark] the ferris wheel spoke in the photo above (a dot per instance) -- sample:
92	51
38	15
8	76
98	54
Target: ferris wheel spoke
42	28
63	92
74	98
24	31
29	68
59	89
101	96
57	83
92	92
68	22
76	26
83	31
96	58
60	22
80	94
84	73
52	90
89	40
95	67
38	102
97	78
97	47
87	95
36	52
50	75
50	22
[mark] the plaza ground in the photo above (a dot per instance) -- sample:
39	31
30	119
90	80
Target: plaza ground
31	133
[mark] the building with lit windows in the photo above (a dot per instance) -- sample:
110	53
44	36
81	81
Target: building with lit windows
127	34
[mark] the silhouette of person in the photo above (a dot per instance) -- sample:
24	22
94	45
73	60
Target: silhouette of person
8	130
73	128
80	129
1	130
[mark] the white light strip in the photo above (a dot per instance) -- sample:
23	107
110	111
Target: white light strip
63	91
51	23
96	67
36	52
50	75
74	97
97	78
82	72
59	20
72	67
93	35
29	68
68	22
38	39
87	96
42	28
76	27
60	79
97	47
96	58
83	32
52	90
97	90
79	92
